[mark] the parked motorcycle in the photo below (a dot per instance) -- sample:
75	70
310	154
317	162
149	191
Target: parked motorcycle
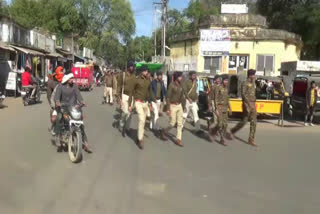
71	132
27	98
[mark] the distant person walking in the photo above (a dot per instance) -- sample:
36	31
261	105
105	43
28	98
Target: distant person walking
311	101
108	88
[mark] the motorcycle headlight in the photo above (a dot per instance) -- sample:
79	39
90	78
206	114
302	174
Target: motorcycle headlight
75	114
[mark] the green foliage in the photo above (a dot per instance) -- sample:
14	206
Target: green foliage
105	26
141	49
298	16
26	12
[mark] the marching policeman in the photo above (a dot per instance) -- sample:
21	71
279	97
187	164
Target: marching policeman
124	88
141	94
215	85
248	93
175	102
190	90
108	87
221	103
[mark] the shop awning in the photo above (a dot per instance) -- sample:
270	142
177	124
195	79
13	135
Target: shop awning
6	47
80	58
65	53
55	55
28	51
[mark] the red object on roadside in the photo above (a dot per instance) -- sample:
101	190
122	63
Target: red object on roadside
26	79
83	76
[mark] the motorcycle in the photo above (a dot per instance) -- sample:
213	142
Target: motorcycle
71	127
2	97
43	84
27	98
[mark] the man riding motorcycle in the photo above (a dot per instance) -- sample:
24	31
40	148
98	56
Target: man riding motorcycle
51	92
68	94
29	81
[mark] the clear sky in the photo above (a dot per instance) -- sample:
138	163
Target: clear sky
143	11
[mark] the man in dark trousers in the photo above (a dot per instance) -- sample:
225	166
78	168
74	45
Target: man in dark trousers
311	101
248	93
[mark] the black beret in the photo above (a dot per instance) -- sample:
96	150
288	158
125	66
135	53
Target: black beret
225	76
251	72
192	73
144	68
216	77
159	73
130	64
176	75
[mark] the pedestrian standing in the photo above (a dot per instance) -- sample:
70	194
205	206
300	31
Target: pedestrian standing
221	103
190	90
108	88
311	101
141	94
175	102
124	88
158	94
248	93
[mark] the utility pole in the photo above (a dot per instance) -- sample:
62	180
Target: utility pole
155	25
164	22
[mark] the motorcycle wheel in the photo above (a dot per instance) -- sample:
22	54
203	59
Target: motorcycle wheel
75	147
25	101
38	99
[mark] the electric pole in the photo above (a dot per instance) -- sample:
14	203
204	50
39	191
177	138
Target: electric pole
155	25
164	22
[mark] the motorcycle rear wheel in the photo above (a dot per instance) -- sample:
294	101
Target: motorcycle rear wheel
75	147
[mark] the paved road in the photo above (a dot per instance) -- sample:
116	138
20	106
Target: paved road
281	176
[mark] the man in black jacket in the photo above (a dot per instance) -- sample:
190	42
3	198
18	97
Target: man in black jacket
158	95
311	101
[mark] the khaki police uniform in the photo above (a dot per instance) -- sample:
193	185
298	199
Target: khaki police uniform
175	102
124	88
108	89
190	91
141	94
248	93
221	103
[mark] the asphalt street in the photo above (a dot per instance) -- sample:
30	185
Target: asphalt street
280	176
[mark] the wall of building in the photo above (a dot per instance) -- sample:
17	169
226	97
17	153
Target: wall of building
185	56
188	53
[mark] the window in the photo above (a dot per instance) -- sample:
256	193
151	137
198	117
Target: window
212	64
265	63
186	67
236	61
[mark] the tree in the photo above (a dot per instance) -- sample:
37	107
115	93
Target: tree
3	7
298	16
141	49
26	12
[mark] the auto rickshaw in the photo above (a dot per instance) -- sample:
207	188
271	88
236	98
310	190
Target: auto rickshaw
270	88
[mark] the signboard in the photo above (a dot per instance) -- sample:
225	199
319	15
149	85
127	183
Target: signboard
215	42
234	9
12	81
308	66
263	106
